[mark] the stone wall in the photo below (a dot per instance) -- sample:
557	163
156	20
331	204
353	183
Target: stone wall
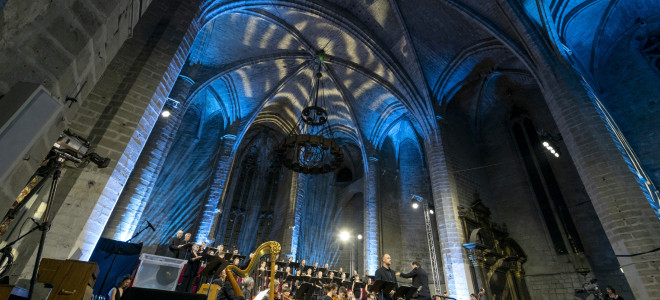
117	116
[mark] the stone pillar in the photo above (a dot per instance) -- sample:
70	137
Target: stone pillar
218	188
454	262
135	195
123	108
610	178
371	214
477	256
297	196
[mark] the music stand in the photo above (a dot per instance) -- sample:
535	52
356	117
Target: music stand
213	265
227	256
307	268
240	257
294	267
382	287
405	292
281	265
279	274
303	290
347	284
359	285
323	271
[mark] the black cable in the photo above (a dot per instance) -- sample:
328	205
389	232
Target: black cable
637	254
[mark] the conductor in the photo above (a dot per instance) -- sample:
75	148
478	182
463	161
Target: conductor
387	274
420	280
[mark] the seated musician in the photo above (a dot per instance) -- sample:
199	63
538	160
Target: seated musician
227	291
342	293
286	292
247	286
330	291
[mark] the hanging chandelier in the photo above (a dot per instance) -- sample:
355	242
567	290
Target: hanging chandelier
310	147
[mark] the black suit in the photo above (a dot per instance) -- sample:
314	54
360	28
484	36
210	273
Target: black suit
174	246
388	275
419	279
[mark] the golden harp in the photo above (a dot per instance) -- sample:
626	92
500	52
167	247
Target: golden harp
272	248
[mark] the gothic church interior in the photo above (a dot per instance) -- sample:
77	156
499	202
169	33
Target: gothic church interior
523	131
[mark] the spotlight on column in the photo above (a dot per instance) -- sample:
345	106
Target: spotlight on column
344	236
170	105
359	237
415	205
431	211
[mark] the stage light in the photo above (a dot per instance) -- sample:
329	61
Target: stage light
431	211
166	113
546	144
359	236
556	154
344	236
415	205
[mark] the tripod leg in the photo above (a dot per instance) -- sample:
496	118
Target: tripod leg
45	224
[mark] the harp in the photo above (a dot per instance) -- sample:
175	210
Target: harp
268	248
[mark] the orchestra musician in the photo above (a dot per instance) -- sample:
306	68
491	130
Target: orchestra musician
227	291
286	292
247	286
330	291
342	294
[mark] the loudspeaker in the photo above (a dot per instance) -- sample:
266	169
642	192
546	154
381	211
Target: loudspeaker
136	293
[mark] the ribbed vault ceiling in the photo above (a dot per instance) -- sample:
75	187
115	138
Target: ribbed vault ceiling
389	68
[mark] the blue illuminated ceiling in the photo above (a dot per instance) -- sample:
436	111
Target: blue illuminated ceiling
256	62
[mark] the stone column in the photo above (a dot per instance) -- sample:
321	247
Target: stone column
619	189
135	195
454	262
613	179
477	256
371	214
122	109
218	188
297	196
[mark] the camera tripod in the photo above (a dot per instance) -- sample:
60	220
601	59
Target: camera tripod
51	168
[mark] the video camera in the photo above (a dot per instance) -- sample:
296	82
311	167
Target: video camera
76	148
